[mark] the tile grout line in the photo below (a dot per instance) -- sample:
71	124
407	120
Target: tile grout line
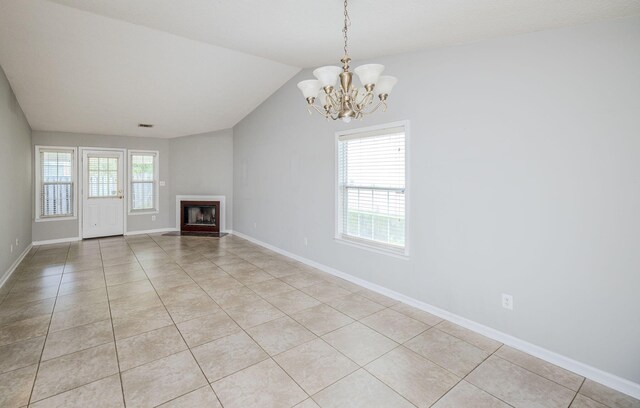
577	392
16	273
174	323
459	338
241	328
319	337
35	378
399	344
269	357
75	352
463	378
232	251
113	329
491	354
314	333
539	375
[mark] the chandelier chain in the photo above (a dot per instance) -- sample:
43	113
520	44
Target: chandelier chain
347	23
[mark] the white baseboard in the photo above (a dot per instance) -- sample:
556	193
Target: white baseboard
14	266
56	241
152	231
585	370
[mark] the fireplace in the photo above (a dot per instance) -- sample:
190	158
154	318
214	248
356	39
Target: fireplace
200	216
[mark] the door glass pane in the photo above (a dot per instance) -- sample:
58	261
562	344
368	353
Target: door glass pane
103	177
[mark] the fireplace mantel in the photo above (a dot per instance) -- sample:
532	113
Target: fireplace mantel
220	198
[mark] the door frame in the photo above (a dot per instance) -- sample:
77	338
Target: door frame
125	182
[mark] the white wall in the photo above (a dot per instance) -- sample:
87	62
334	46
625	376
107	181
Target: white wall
203	165
15	179
525	179
52	230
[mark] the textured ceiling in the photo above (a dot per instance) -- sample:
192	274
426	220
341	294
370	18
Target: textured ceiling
191	66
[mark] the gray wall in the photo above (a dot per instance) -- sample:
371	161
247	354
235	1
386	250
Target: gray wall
524	179
69	229
203	165
15	178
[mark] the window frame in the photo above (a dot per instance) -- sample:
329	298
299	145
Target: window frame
38	183
363	243
156	182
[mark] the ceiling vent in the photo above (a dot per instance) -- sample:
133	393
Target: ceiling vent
145	125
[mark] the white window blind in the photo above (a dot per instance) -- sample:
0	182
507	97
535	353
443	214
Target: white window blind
371	187
143	173
103	176
56	183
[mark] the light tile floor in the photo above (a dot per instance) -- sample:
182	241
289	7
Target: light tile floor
202	322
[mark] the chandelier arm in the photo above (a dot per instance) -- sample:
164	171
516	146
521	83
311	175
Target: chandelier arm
318	109
351	105
364	102
333	100
355	95
358	97
368	99
375	108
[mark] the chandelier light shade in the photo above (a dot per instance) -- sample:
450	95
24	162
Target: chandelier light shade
334	89
328	76
310	88
369	74
385	84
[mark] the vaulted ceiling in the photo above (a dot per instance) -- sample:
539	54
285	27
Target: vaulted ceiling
192	66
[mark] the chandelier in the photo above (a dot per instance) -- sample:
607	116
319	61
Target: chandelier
347	101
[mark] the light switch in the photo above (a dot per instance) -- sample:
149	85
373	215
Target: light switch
162	184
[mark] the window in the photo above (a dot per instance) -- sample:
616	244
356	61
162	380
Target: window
103	177
371	187
55	183
143	181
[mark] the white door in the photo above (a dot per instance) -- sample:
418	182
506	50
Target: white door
102	193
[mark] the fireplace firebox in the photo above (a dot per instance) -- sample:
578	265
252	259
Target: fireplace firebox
200	216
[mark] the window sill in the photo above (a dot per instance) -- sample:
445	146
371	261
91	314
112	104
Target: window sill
379	249
143	212
47	219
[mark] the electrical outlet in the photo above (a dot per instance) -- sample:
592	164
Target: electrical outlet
162	183
11	247
306	241
17	242
153	218
507	301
